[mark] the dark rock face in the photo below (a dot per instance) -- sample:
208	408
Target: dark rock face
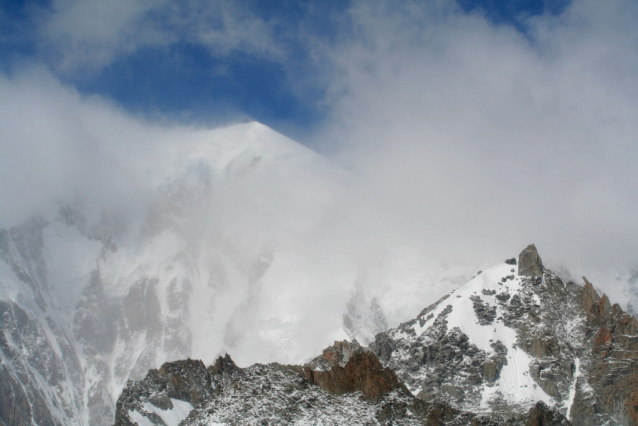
362	372
94	327
19	406
485	313
187	380
542	415
612	335
529	262
286	395
41	376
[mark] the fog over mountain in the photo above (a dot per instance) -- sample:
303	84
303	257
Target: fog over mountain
432	108
447	142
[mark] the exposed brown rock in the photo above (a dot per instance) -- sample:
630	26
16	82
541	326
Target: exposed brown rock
602	342
542	347
614	370
362	372
589	295
441	414
603	306
489	371
335	354
631	407
596	307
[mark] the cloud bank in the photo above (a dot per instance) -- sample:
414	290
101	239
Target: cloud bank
91	34
466	138
479	138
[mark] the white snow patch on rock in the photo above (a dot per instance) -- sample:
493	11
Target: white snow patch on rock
171	417
572	391
138	418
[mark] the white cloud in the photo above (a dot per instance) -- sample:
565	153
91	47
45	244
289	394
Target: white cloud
57	144
91	34
476	138
465	136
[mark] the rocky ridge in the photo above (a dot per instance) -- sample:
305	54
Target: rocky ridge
515	346
345	385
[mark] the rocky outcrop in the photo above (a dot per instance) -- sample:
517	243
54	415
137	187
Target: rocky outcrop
41	375
187	380
20	406
580	349
485	313
612	335
441	364
289	395
351	369
530	263
541	415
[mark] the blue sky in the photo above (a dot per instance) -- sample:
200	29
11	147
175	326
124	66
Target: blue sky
183	78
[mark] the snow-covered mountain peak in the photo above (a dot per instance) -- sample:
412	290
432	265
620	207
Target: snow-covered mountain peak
232	148
513	335
236	245
478	311
205	257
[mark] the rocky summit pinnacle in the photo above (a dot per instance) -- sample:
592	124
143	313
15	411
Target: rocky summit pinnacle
530	263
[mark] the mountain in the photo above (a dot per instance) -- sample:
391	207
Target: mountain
514	346
224	240
91	297
345	385
233	240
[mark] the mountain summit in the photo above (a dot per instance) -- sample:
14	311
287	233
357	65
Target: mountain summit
232	243
91	298
517	334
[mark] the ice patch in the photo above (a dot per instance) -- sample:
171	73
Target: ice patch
173	417
136	417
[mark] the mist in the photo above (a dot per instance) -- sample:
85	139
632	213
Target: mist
475	138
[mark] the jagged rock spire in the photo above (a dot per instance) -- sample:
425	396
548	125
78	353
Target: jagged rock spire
530	263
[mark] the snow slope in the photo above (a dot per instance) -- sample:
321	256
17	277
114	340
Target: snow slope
514	384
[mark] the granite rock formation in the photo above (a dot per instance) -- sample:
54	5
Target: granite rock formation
345	385
530	263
